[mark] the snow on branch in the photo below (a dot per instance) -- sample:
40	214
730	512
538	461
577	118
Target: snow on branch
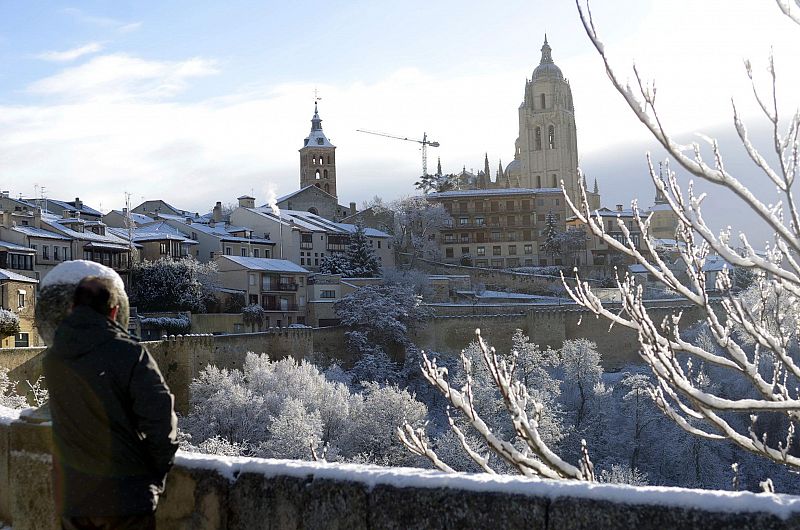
754	335
536	460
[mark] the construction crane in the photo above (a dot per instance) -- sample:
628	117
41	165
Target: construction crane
425	143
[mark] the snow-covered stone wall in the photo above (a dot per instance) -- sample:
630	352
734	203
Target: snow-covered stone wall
213	492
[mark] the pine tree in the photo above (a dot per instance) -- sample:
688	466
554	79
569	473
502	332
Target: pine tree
361	258
551	246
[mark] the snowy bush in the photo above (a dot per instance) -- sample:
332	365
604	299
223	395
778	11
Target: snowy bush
9	323
286	409
254	316
173	285
179	325
8	395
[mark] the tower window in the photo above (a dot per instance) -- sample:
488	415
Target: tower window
316	174
319	141
555	181
538	144
538	181
329	159
325	173
327	188
542	100
551	137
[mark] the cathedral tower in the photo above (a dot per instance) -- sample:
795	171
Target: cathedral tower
318	159
546	150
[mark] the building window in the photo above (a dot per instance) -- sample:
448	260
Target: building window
528	249
542	101
21	340
495	236
243	251
379	244
317	175
512	236
481	251
511	220
46	252
465	238
497	263
163	248
228	251
55	253
512	250
20	299
479	221
496	251
449	238
327	294
479	206
494	206
256	253
252	279
538	144
551	137
463	221
448	252
464	250
462	207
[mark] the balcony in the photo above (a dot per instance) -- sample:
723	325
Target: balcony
286	287
333	247
306	245
280	307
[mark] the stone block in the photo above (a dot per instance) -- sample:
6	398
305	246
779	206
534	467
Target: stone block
335	505
194	498
403	508
579	514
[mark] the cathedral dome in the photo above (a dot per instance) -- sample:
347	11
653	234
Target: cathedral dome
513	168
547	68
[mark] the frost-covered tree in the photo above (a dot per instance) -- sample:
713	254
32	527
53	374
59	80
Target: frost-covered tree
254	316
8	395
9	323
417	222
289	409
173	285
752	339
378	318
580	361
552	244
334	264
362	261
571	243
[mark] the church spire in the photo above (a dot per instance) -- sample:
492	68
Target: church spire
499	170
439	165
316	121
596	189
486	170
547	56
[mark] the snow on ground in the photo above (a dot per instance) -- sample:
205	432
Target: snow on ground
71	272
8	415
717	501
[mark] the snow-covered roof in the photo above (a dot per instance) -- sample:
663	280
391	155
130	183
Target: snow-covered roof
605	212
298	192
154	232
14	277
39	232
137	218
314	223
715	263
265	264
64	205
223	232
16	248
61	225
494	191
660	208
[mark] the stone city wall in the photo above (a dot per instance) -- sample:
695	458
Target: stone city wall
213	492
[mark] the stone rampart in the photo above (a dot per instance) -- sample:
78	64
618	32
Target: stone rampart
212	492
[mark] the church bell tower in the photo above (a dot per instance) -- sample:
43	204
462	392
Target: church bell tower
318	158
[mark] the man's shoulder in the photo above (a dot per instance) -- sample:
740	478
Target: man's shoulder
124	344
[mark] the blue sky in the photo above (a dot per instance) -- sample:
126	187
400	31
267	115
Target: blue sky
196	102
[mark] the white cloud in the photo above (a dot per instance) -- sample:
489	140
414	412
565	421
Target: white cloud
121	76
101	21
71	54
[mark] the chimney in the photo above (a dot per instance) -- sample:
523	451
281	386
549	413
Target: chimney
216	213
212	222
352	208
246	201
37	218
78	203
6	219
189	221
619	207
124	210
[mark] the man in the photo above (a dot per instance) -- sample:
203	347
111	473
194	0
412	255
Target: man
114	426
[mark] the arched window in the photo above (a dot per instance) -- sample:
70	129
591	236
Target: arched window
555	181
542	100
538	181
551	137
313	210
316	174
327	188
325	174
329	159
538	141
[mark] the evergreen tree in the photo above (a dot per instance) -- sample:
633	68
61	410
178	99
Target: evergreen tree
361	259
552	245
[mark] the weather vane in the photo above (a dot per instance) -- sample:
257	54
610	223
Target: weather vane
316	95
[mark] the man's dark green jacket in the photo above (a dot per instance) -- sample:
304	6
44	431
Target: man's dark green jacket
114	427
